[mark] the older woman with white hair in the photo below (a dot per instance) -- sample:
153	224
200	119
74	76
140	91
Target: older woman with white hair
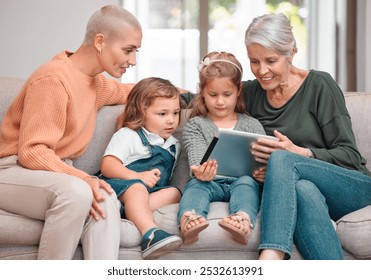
315	173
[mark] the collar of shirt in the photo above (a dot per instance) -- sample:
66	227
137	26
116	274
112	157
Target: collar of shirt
155	139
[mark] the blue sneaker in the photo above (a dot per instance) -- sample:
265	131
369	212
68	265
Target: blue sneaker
158	243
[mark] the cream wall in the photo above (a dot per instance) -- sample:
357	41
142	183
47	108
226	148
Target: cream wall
34	31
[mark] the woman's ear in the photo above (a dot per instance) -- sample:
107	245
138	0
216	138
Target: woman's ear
99	42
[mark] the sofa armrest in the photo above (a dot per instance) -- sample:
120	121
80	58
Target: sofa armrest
354	231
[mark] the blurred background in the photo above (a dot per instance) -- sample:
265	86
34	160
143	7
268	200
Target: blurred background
332	35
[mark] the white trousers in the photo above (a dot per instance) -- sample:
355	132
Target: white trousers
63	202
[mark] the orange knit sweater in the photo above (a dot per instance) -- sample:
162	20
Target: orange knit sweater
54	115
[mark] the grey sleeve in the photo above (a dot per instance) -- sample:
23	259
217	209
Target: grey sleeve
194	142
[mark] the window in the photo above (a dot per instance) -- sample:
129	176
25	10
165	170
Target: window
176	33
170	46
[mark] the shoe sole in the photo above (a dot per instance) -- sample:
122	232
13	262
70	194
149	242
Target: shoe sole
237	234
190	236
162	247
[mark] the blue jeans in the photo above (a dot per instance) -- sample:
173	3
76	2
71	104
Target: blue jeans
300	197
242	194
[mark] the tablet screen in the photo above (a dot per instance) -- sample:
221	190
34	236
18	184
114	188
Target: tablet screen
232	151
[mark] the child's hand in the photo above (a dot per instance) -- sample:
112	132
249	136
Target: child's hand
259	174
206	171
151	177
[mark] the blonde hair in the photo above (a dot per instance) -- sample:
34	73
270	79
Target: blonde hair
107	20
217	65
141	97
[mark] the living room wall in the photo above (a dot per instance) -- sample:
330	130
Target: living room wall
34	31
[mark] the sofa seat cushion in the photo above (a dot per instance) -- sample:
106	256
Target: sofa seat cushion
354	231
214	242
166	219
213	236
19	230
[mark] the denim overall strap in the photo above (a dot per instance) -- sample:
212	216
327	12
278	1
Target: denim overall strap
160	158
143	137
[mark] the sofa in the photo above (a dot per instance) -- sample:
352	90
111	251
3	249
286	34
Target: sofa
19	236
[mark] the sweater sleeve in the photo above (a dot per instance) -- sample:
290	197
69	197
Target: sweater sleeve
42	126
194	141
336	127
112	92
342	151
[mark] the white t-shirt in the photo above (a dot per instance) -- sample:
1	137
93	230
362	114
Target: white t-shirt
127	146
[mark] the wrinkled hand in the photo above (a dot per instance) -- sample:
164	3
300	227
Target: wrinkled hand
259	174
95	184
264	147
206	171
151	177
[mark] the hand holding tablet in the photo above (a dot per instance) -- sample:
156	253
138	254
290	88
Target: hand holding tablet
232	151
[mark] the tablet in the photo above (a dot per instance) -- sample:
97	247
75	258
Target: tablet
232	150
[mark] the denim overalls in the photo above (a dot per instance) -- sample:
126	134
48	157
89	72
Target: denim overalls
160	158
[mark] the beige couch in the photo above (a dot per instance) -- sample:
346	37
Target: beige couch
19	236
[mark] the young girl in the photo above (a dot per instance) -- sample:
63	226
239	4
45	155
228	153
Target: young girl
140	158
219	104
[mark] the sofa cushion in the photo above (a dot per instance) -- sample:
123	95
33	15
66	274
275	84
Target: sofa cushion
181	172
166	219
19	230
354	231
358	105
104	129
213	237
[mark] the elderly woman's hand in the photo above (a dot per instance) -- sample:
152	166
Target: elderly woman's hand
264	147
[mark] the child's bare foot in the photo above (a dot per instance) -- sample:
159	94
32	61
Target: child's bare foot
238	225
190	226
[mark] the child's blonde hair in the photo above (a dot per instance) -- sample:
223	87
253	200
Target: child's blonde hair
217	65
141	97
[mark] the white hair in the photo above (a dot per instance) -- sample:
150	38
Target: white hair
272	31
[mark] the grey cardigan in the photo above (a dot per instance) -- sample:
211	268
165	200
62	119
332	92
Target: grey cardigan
199	131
